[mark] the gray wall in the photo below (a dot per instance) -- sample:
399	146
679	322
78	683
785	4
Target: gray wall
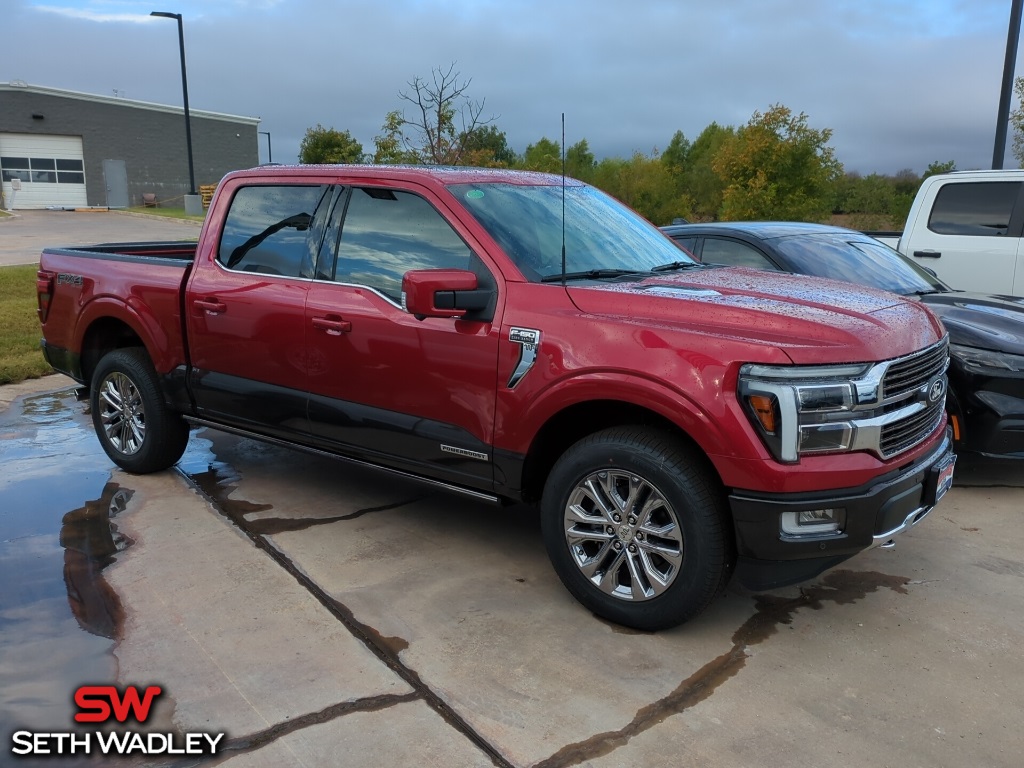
151	142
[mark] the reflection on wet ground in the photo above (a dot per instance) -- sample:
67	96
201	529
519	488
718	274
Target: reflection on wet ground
51	464
59	619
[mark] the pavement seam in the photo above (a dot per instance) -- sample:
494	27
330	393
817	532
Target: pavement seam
241	745
368	636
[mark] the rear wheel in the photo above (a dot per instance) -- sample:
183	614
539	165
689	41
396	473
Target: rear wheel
635	527
135	427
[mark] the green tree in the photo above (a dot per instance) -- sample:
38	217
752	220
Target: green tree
487	146
777	167
327	145
580	162
935	168
645	184
676	154
700	181
545	155
1017	121
389	145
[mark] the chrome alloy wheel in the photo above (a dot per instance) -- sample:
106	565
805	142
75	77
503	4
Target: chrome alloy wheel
122	414
623	535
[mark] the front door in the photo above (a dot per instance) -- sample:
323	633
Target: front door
416	394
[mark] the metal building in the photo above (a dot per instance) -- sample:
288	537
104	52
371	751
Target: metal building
66	149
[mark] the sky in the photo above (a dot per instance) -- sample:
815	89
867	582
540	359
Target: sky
900	83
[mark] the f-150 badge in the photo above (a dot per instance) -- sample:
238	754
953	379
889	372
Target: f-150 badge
529	340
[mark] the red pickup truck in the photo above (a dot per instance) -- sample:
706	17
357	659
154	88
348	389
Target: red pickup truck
520	337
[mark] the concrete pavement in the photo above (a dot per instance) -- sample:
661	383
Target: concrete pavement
321	615
25	234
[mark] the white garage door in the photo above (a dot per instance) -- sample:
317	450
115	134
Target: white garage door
50	170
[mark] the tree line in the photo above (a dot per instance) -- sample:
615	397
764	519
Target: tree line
774	167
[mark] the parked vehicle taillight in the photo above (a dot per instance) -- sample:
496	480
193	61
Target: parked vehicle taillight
44	290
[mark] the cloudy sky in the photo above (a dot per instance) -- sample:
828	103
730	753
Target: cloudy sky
901	83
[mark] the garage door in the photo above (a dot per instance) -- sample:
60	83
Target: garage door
50	170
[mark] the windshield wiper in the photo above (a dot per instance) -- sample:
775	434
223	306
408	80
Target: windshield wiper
928	292
590	274
672	266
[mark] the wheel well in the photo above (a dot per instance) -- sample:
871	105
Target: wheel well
576	422
104	336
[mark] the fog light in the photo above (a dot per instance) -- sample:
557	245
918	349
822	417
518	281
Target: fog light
813	522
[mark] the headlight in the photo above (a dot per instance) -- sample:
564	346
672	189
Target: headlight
987	360
805	409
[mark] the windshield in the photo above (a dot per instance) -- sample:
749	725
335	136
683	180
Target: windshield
600	233
864	261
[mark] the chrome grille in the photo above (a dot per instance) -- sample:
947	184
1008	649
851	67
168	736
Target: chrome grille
905	382
908	374
906	433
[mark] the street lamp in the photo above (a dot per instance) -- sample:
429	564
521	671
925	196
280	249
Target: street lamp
184	90
270	151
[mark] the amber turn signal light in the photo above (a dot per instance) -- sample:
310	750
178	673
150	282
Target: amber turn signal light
764	409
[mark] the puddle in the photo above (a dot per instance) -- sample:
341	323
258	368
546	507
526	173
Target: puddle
59	619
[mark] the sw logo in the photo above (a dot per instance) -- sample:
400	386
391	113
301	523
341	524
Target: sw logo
97	703
107	704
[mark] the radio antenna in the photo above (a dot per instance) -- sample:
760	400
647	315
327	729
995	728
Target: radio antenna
563	199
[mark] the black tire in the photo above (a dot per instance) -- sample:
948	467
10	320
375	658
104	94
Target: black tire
677	542
135	427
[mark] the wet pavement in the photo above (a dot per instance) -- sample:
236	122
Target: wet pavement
318	614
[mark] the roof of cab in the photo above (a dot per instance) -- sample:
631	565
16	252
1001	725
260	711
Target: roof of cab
437	173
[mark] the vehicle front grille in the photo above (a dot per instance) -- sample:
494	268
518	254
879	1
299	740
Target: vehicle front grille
906	433
907	375
906	381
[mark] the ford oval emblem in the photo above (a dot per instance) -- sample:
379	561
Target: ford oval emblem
936	390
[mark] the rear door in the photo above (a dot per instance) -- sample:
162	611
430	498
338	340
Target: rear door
246	308
415	394
972	236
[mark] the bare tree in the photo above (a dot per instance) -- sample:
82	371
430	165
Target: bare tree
444	117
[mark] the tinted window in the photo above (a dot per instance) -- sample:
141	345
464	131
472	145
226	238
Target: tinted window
734	254
386	233
69	165
856	260
981	208
689	243
274	230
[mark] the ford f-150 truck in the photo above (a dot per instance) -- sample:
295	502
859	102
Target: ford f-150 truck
516	337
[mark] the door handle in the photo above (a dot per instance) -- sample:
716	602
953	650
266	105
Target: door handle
333	324
928	254
211	306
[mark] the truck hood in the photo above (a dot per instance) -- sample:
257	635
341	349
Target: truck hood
812	320
981	320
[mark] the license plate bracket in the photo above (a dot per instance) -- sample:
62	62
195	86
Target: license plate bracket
940	480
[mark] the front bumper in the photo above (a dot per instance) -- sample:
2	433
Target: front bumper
875	514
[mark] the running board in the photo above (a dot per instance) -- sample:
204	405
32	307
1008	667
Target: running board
490	498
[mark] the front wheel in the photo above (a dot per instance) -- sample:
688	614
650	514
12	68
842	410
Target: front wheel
636	529
135	427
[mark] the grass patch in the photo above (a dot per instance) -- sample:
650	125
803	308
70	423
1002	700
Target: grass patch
20	355
167	213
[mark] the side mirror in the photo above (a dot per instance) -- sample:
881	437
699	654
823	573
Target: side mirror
443	293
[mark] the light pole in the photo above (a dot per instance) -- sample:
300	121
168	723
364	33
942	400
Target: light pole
1006	93
270	151
184	91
